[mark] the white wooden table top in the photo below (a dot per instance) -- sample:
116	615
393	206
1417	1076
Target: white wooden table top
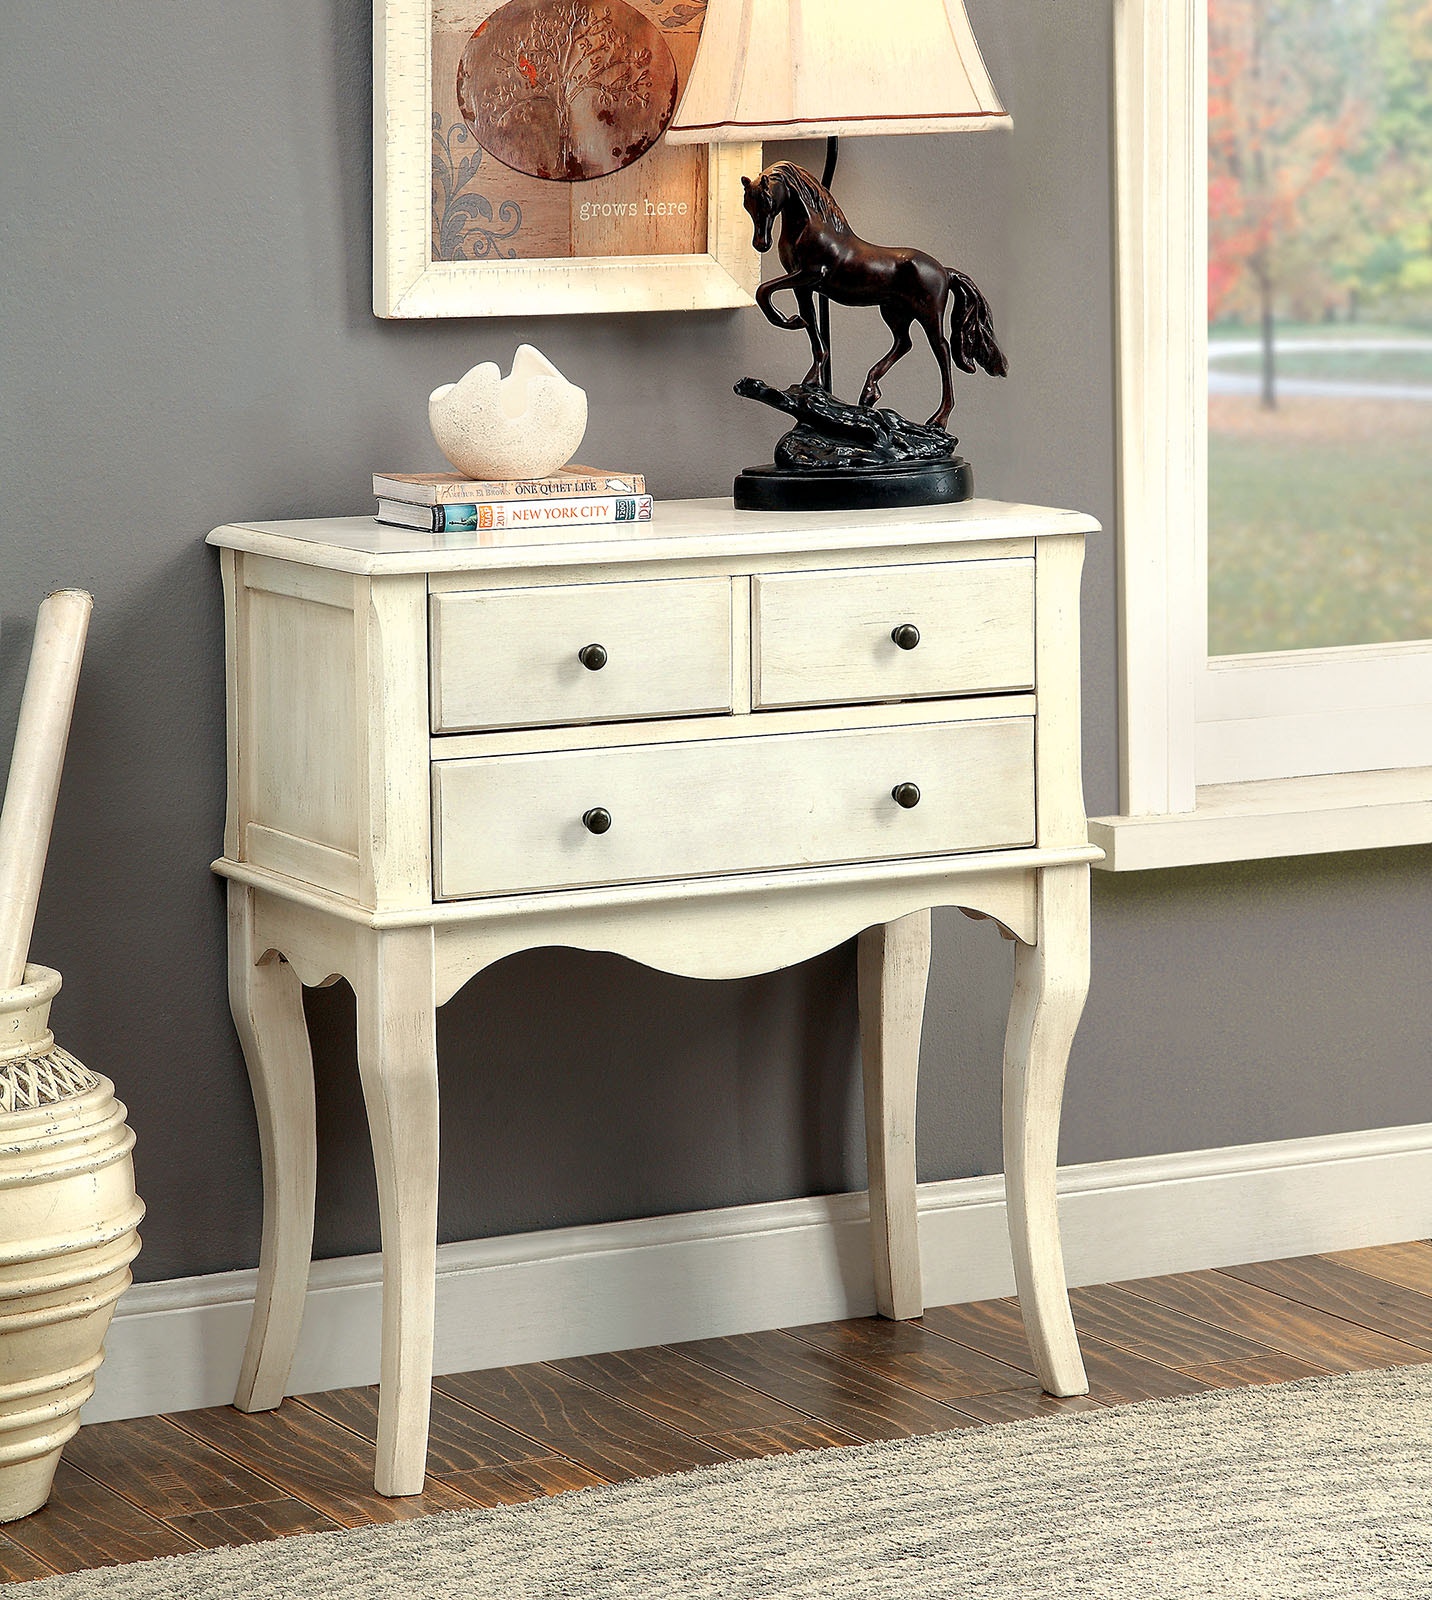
679	529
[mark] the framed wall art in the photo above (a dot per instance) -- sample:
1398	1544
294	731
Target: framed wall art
519	166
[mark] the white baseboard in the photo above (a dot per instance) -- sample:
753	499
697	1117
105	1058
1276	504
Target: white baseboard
177	1345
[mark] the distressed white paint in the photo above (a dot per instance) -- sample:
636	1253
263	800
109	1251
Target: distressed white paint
1059	799
759	846
267	1004
894	966
510	823
1051	981
512	657
828	637
693	531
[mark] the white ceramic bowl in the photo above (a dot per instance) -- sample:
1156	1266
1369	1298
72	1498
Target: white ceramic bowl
525	425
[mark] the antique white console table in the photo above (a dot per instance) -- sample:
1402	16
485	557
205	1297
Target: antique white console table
719	744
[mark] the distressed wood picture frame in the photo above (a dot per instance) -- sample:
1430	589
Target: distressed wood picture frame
421	168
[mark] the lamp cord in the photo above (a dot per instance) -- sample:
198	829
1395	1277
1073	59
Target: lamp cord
832	155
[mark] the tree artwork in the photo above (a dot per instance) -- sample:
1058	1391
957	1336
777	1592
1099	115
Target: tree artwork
567	90
571	51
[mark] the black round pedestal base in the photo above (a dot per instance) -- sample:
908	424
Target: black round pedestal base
924	483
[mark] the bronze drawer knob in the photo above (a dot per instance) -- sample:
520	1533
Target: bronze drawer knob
597	820
593	657
906	635
906	795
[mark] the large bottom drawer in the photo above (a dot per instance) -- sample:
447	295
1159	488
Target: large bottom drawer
504	824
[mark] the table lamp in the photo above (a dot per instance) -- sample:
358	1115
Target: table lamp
797	69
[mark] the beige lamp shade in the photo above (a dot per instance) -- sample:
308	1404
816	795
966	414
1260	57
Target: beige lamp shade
799	69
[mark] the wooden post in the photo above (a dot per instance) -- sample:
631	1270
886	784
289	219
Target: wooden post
40	739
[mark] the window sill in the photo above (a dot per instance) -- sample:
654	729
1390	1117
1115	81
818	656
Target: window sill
1275	817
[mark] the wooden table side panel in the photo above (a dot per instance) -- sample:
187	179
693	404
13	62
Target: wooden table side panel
392	656
1058	563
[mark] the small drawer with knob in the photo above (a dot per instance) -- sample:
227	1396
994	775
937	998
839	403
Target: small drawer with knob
893	633
629	813
590	652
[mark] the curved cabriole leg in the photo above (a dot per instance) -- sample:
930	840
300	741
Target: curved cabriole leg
397	1061
1051	980
894	964
267	1001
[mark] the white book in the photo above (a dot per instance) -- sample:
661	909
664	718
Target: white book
500	516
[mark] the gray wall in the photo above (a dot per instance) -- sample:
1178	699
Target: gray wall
187	340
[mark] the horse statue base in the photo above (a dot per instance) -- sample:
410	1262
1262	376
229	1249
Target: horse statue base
841	457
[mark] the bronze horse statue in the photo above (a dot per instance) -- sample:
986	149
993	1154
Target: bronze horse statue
822	256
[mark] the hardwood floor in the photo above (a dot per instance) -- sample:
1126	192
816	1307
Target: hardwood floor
156	1486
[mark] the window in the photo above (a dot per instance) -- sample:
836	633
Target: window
1279	629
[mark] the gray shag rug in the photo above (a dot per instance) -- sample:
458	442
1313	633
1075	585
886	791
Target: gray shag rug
1321	1488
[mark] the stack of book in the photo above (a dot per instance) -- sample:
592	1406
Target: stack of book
571	501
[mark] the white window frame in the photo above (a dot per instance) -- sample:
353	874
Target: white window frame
1213	743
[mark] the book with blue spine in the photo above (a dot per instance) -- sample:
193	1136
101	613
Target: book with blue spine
569	513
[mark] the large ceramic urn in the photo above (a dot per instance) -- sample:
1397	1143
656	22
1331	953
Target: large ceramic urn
68	1216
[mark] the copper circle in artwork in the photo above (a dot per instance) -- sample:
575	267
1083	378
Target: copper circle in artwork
567	89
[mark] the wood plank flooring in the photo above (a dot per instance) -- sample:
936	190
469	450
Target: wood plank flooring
156	1486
